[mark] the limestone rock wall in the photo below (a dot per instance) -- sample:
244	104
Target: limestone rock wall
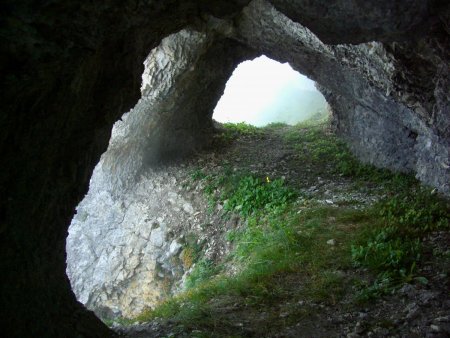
386	121
183	79
69	70
121	252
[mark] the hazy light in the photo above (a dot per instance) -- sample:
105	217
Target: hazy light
262	91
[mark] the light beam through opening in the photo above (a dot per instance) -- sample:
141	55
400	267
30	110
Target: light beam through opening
262	91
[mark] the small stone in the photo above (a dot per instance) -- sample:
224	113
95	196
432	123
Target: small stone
362	315
413	312
174	248
157	238
444	319
331	242
359	328
187	207
353	335
426	297
435	328
407	290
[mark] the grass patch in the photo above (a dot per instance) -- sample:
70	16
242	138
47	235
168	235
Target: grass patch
192	251
233	130
328	154
227	132
276	250
391	247
253	195
275	126
204	270
282	258
293	248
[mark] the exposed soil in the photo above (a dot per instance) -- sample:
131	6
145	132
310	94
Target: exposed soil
414	310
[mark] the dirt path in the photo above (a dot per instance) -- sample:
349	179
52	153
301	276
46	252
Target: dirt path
413	311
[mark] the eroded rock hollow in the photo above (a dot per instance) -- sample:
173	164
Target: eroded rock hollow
71	69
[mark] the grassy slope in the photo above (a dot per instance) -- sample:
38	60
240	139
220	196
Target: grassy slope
284	254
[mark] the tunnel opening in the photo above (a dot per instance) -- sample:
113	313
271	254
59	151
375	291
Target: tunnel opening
146	231
130	241
68	75
263	91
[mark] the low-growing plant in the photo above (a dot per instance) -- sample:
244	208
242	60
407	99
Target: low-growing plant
197	174
378	288
393	249
417	210
241	128
204	269
188	258
282	251
253	194
191	252
275	125
387	252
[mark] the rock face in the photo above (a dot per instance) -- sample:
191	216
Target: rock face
124	254
367	22
70	69
124	242
361	85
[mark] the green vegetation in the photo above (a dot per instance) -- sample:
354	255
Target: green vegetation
253	195
241	128
204	270
192	251
277	252
391	247
415	211
275	126
328	154
283	253
230	131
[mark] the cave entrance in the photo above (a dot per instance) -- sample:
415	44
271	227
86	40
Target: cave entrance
263	91
130	243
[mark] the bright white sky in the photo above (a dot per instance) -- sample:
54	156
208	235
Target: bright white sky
256	88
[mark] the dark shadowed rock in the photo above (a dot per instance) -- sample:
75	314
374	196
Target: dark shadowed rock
362	21
70	69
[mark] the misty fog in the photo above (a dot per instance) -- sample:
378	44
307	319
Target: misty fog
263	91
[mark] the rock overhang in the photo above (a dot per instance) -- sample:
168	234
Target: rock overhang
71	70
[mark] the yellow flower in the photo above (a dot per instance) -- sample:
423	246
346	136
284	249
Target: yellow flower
267	179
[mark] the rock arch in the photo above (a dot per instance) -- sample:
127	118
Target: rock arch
183	80
71	69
